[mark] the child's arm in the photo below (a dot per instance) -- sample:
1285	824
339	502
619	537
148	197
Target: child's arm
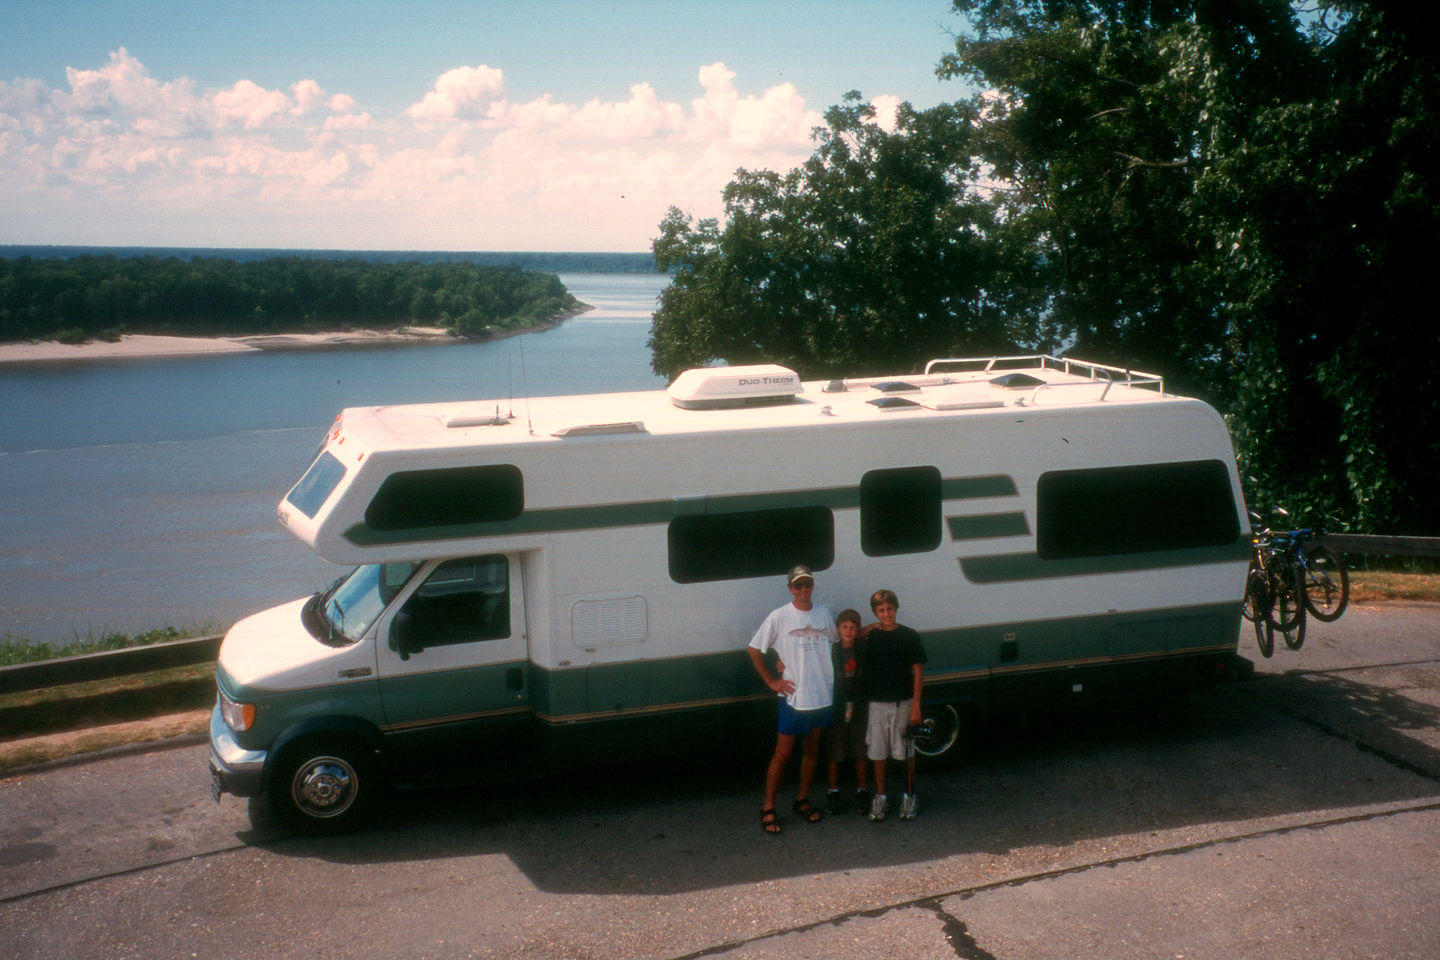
917	674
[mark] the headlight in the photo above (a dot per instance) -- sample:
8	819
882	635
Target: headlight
237	716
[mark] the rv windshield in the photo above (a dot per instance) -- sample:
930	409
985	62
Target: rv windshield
352	604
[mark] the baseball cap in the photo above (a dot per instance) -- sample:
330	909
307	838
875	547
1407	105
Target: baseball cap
800	572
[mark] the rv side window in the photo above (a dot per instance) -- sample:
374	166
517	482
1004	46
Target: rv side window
900	511
416	499
756	543
462	601
310	494
1115	510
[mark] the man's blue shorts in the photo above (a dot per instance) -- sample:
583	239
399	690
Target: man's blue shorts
797	723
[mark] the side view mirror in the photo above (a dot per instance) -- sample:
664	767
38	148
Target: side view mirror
404	635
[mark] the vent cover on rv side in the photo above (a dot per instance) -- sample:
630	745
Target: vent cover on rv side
710	388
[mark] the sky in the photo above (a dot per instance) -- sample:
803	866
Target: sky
424	124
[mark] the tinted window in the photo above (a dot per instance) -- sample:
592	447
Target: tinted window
900	511
756	543
462	601
310	494
441	498
1115	510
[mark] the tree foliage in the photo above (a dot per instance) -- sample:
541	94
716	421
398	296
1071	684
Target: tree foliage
88	296
875	251
1240	196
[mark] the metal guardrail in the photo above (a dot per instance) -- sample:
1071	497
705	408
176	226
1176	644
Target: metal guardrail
108	664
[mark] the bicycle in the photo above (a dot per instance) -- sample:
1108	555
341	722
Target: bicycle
1274	591
1292	574
1323	580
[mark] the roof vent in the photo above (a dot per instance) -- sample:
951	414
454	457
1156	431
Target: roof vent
600	429
710	388
895	386
1017	381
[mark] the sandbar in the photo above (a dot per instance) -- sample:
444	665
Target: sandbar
143	346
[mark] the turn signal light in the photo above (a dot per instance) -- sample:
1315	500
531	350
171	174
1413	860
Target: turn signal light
237	716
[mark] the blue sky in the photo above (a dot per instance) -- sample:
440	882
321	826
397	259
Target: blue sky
427	124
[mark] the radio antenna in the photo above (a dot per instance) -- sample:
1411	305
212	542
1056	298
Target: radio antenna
525	387
510	384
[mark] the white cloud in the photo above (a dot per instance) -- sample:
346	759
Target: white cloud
249	104
464	167
464	93
122	96
886	106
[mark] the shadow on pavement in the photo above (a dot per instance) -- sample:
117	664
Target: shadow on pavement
1224	755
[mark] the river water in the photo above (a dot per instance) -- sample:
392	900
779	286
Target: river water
141	493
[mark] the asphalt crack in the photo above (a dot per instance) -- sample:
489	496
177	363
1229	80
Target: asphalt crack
957	933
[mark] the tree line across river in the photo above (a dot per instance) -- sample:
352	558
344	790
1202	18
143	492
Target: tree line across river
76	298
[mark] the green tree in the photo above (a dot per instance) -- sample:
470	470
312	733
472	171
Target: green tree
1249	198
875	254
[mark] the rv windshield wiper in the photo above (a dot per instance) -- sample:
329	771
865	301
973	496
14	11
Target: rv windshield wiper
310	617
314	619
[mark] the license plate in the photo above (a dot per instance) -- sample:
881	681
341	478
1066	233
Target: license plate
215	788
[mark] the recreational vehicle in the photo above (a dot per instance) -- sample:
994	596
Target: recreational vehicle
560	580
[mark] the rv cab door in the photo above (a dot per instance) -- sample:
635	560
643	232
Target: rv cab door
453	665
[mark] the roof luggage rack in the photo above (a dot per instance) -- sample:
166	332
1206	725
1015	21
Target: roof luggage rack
1006	367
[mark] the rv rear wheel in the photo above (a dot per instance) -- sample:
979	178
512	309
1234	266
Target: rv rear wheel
940	745
321	786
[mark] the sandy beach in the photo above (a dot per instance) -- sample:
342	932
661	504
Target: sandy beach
148	345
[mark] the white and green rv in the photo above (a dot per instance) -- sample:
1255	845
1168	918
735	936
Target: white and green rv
578	581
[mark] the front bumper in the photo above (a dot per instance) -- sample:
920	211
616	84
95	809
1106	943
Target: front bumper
233	769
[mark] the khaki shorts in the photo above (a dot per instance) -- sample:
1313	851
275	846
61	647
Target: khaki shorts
885	735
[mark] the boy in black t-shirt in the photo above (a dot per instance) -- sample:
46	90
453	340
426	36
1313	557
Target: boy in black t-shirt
893	659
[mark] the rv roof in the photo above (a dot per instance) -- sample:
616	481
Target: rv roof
986	387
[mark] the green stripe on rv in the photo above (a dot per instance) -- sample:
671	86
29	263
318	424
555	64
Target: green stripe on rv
956	657
1016	567
985	526
560	519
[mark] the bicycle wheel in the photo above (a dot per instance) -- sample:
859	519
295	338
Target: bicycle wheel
1286	606
1295	636
1327	585
1264	637
1257	601
1247	609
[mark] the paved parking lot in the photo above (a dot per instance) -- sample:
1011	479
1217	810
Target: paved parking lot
1293	815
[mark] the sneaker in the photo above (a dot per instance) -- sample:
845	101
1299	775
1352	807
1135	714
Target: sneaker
908	805
862	801
833	802
877	807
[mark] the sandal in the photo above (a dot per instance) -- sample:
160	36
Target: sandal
808	813
769	822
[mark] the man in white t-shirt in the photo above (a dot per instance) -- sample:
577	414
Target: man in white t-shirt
801	634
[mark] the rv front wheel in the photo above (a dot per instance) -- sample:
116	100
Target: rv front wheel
322	787
940	744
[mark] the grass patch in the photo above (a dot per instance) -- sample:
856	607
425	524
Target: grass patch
77	718
15	649
1368	586
32	750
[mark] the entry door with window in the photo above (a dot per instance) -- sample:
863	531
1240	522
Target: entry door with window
453	663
